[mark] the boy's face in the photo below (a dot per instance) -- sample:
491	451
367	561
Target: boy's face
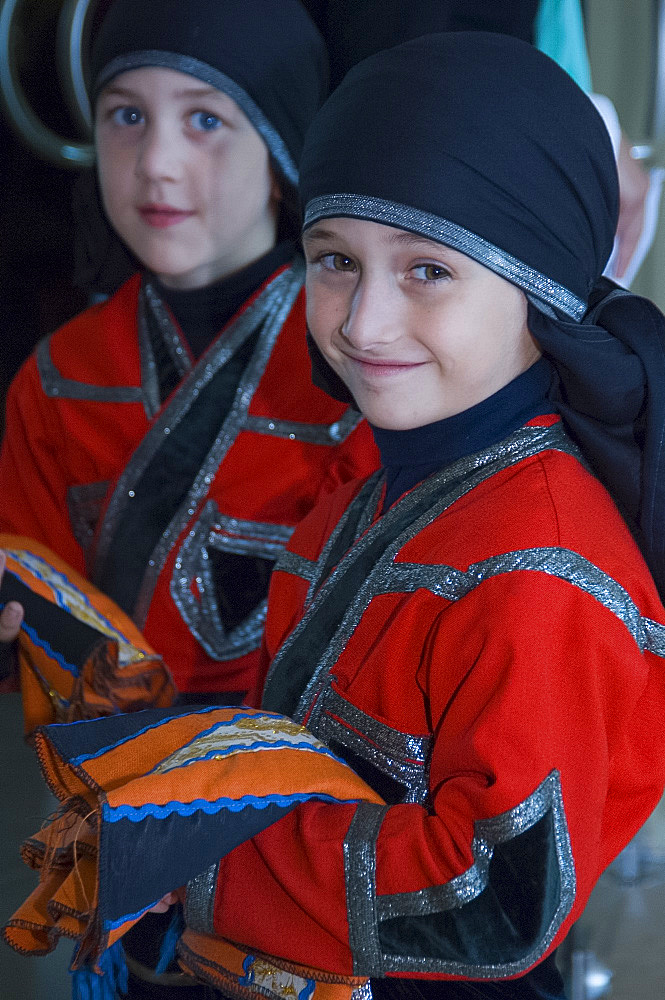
417	331
185	177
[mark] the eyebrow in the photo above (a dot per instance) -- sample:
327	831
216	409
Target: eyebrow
200	92
403	238
398	237
315	233
187	93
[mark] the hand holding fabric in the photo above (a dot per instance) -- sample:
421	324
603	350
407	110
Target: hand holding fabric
11	617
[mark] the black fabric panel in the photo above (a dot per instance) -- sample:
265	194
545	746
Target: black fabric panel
73	640
166	481
168	375
390	790
500	925
241	583
146	859
210	698
285	686
201	313
87	737
8	659
349	532
143	943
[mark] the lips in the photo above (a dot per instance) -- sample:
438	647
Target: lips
163	216
383	366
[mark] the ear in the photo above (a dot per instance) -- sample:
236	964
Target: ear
275	188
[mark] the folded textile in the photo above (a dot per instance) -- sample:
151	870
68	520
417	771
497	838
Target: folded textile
80	656
150	802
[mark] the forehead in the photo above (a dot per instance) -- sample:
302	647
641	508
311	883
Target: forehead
170	85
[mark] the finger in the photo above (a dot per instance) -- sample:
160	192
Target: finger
160	907
165	903
11	617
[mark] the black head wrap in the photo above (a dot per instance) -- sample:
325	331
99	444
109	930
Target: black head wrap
265	54
481	142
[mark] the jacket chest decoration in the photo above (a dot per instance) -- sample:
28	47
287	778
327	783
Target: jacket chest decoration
181	516
175	464
226	618
360	558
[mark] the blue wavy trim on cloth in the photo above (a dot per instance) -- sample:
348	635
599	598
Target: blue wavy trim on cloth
151	801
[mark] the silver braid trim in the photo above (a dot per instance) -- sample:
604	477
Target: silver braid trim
391	213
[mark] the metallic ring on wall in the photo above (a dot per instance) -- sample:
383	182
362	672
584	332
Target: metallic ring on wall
45	142
72	42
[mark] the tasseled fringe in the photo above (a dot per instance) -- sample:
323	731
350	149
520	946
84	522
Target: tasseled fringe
108	983
112	978
171	936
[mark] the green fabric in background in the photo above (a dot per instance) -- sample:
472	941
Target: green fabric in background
559	33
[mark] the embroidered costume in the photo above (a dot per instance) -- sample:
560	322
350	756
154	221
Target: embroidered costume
485	645
473	629
171	467
133	788
79	655
186	498
460	680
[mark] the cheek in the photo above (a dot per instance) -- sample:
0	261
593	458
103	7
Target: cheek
113	171
323	307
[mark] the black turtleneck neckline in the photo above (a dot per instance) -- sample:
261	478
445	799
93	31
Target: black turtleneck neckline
202	312
409	456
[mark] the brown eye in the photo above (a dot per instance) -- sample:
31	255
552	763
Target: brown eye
434	271
342	263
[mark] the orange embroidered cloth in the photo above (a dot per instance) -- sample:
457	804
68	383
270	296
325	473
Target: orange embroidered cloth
80	656
152	800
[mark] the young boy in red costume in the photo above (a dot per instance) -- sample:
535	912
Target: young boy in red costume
474	629
166	442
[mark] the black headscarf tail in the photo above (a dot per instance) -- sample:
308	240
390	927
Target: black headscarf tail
610	392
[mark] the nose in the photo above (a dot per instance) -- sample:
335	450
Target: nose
371	319
158	154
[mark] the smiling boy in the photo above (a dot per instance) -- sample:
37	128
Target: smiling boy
473	629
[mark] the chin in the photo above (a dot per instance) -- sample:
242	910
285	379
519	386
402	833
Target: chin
392	421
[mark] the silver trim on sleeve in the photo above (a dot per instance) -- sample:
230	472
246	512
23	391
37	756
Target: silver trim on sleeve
468	886
403	757
200	901
57	386
360	876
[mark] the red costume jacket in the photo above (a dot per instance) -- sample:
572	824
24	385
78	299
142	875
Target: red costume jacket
177	510
488	656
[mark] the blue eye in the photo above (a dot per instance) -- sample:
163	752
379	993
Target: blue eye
204	121
127	115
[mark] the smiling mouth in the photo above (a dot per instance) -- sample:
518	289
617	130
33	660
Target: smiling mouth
383	366
163	216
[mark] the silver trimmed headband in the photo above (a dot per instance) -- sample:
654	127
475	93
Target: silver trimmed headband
536	285
214	78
